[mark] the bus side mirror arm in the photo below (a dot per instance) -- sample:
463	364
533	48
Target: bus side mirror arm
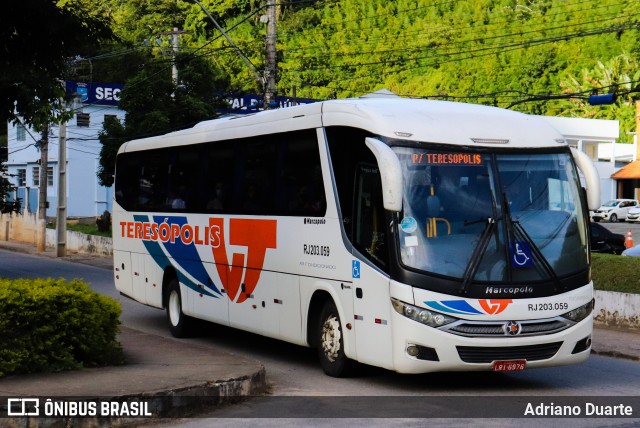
591	176
390	173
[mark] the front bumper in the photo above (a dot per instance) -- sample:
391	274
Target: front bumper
633	217
442	351
600	215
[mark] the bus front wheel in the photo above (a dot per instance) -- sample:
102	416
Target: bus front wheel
331	344
179	323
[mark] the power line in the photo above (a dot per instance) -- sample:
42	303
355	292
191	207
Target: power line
461	43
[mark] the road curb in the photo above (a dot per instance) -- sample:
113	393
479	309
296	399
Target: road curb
172	403
615	354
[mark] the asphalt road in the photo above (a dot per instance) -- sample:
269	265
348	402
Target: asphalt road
623	227
293	372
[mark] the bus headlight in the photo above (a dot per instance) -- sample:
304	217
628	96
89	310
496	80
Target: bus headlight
580	313
423	316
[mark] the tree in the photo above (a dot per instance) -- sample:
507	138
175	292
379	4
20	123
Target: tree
154	105
5	188
619	75
37	38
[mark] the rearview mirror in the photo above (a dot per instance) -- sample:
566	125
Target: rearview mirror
591	177
390	173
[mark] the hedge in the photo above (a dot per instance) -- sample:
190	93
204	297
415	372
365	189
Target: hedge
53	325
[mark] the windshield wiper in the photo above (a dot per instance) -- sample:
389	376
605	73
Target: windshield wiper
518	229
476	256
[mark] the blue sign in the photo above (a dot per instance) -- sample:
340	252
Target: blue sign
252	103
521	255
355	269
96	93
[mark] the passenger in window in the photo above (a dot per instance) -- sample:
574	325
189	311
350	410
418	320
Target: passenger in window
216	204
176	201
251	201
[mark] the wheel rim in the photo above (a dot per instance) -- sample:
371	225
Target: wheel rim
330	338
614	218
174	307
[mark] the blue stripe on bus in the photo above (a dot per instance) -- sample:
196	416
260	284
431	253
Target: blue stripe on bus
460	307
154	249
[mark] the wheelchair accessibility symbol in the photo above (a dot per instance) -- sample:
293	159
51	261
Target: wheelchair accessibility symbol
355	268
521	255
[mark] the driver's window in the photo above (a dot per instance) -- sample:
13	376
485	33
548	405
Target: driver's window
369	232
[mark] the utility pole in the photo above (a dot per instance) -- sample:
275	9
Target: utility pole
175	43
41	235
61	220
271	60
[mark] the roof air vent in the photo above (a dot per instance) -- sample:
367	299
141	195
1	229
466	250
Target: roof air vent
489	141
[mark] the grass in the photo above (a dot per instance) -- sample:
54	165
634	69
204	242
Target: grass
616	273
89	229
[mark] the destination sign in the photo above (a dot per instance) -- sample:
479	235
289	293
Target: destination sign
446	159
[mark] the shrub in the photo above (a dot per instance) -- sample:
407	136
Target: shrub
54	325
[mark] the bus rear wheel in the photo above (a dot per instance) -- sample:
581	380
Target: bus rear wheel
330	343
179	324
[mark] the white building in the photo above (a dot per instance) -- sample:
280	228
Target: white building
598	139
85	196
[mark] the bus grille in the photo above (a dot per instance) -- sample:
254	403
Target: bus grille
477	354
494	329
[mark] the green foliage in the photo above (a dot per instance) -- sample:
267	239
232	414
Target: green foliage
87	229
54	325
5	189
616	273
38	37
497	52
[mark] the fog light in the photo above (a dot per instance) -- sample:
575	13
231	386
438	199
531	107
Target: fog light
413	350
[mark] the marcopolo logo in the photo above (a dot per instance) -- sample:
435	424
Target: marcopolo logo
308	220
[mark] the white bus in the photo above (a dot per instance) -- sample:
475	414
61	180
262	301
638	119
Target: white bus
412	235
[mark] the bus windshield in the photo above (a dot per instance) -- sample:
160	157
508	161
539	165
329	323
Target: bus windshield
481	216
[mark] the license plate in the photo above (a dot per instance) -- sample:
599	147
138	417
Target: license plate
509	366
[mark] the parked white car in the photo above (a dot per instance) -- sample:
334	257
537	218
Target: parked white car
634	214
614	210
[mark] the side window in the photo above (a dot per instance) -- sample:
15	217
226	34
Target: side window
256	179
359	190
153	181
22	177
347	150
183	180
300	184
141	180
127	183
277	174
218	166
369	231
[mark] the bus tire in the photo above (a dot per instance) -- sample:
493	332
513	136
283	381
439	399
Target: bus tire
330	343
180	324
